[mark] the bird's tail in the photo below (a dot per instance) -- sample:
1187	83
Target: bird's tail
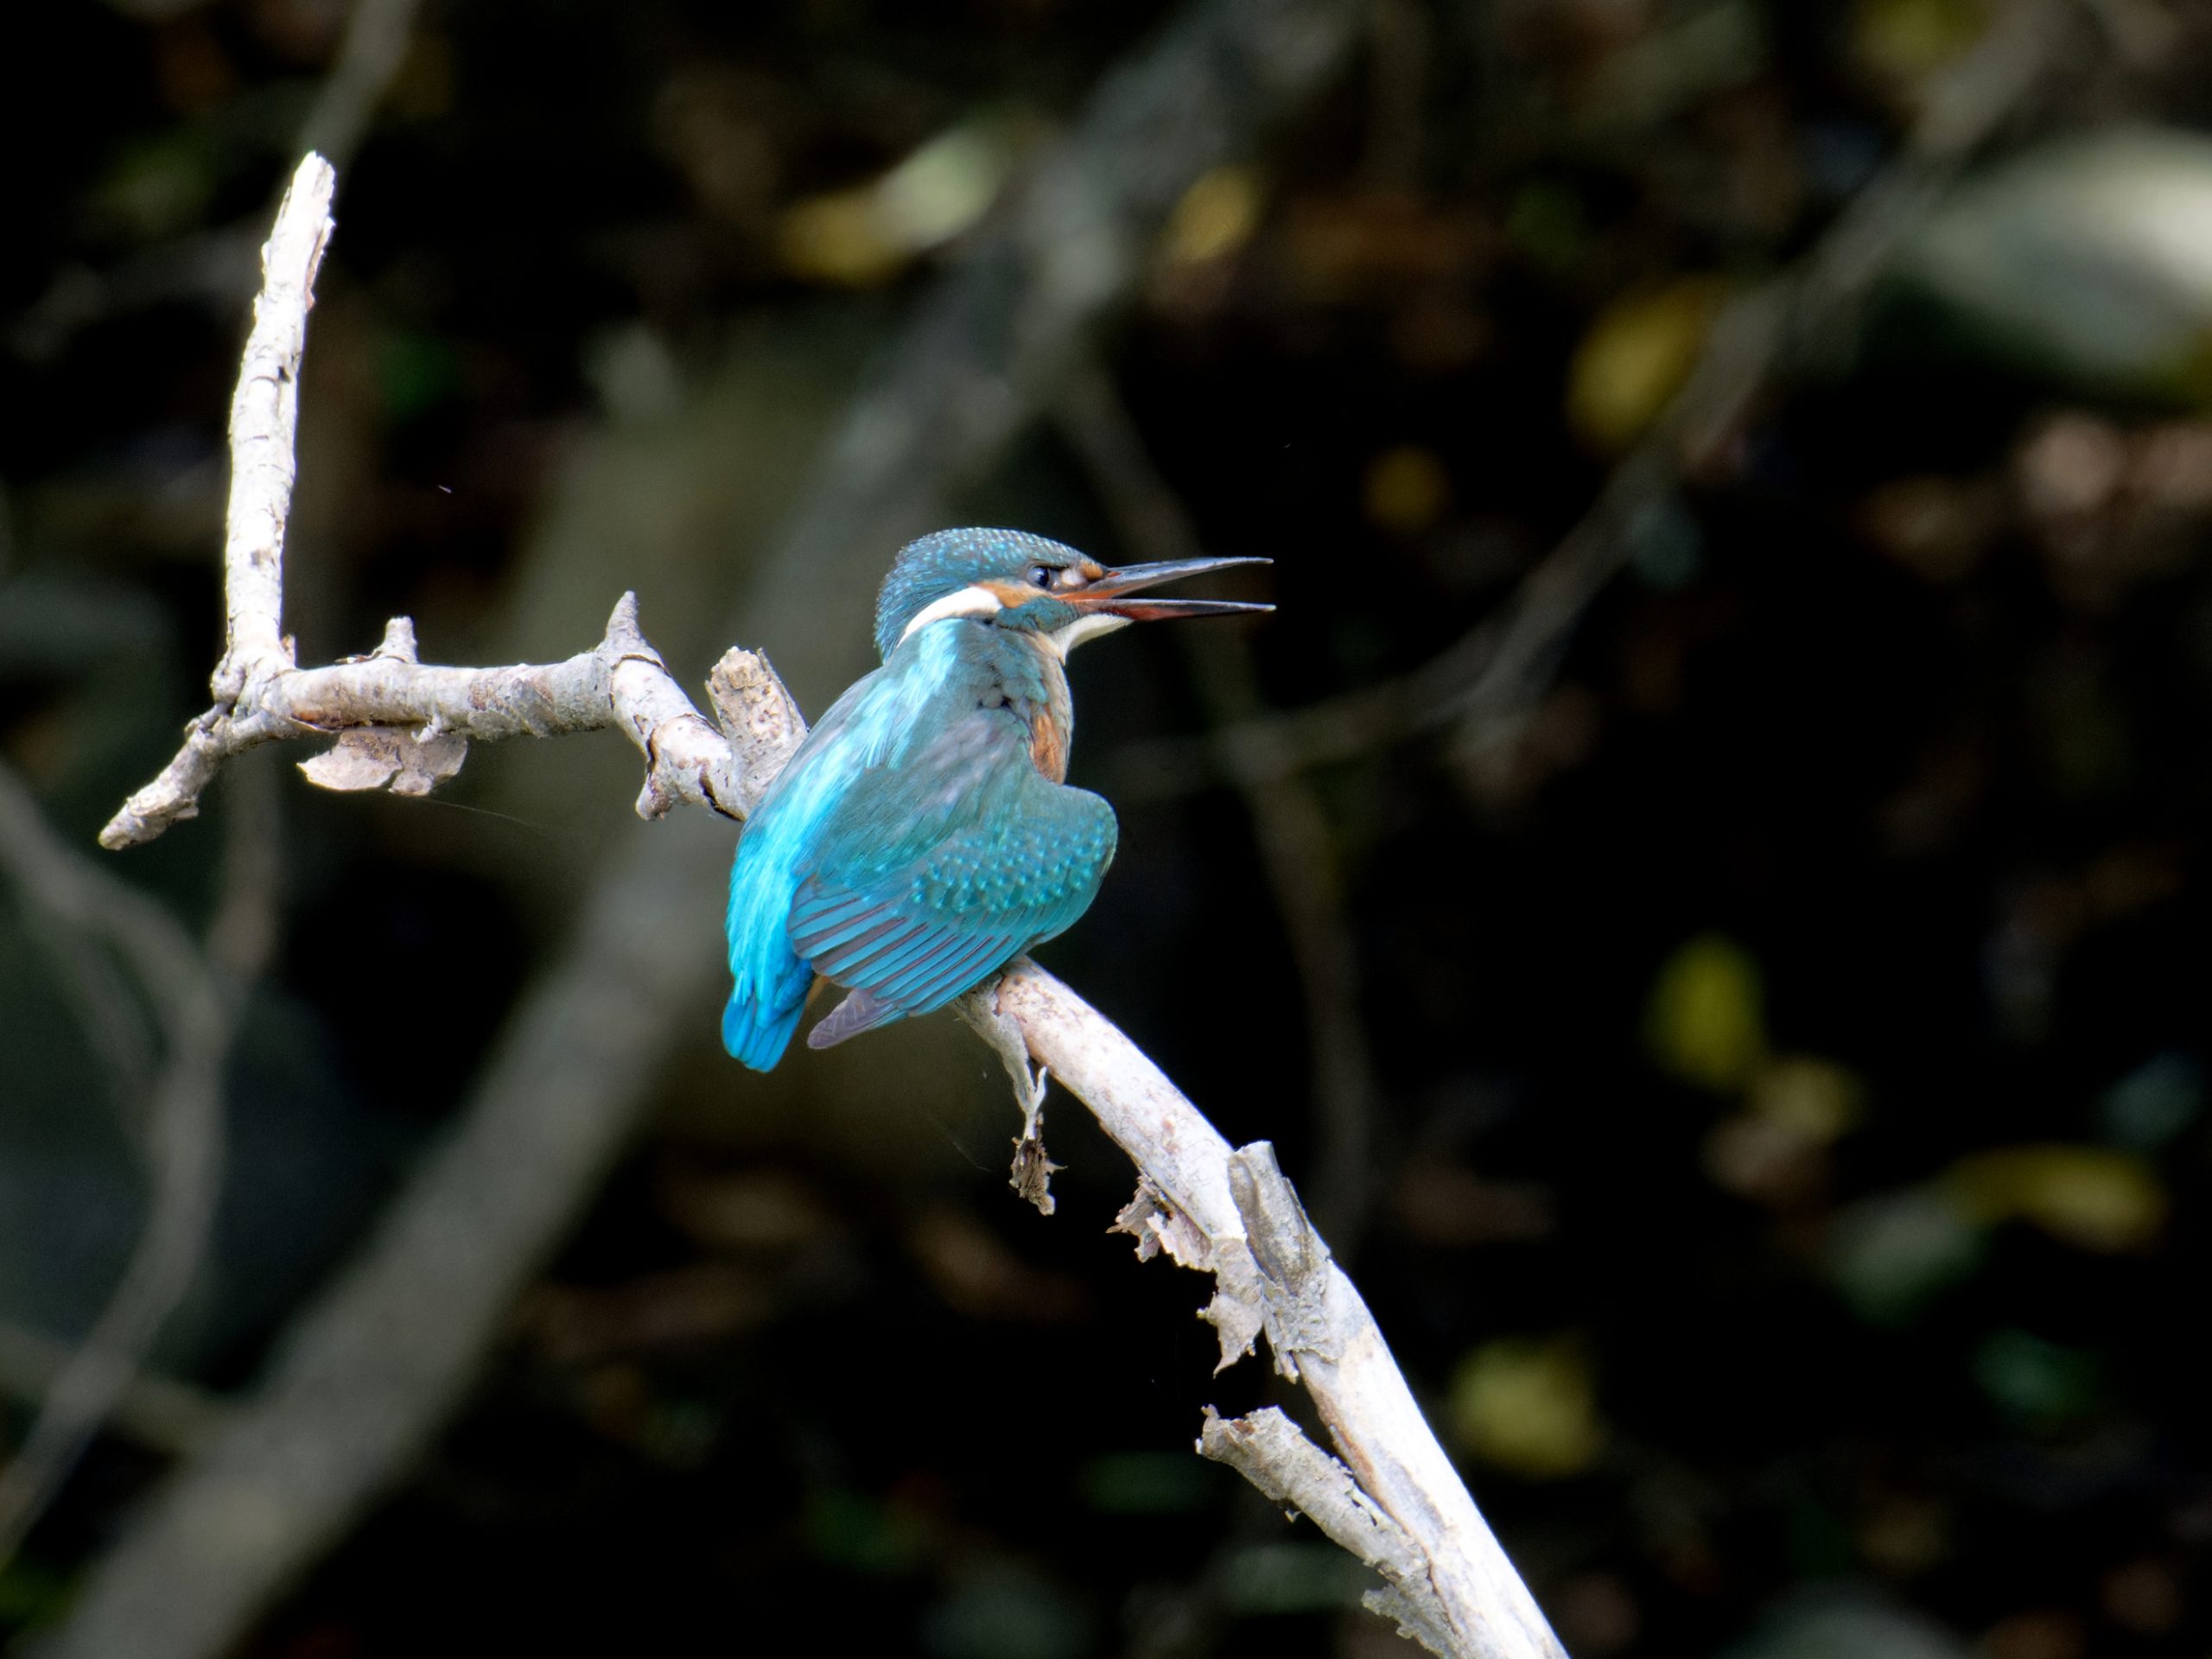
757	1032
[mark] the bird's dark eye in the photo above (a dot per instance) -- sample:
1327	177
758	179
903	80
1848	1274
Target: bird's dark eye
1041	575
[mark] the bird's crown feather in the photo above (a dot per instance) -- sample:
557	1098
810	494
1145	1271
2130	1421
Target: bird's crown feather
947	561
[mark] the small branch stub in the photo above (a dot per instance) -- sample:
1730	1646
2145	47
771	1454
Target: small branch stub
1293	1260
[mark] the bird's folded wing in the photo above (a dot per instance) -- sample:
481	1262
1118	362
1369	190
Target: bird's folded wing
915	907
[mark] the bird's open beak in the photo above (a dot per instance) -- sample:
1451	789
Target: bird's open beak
1111	593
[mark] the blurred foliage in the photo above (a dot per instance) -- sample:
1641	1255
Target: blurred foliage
1635	357
1529	1407
1789	1152
2089	1196
2087	263
1705	1023
866	233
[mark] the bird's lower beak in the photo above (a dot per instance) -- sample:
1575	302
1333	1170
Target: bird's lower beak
1112	591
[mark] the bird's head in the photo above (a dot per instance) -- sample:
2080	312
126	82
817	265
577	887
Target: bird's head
1013	580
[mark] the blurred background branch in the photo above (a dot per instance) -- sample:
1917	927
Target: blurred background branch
195	993
215	267
1488	681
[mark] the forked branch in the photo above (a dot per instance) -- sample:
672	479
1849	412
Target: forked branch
396	723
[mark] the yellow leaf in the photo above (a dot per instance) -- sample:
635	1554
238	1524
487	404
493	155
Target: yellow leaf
1636	356
1215	218
1528	1405
839	238
2095	1197
1704	1023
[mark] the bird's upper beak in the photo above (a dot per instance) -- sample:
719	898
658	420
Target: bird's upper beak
1111	593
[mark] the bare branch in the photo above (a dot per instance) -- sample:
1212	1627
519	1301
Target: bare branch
264	422
406	727
400	724
1275	1285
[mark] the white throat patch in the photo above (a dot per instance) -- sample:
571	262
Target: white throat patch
964	602
1089	626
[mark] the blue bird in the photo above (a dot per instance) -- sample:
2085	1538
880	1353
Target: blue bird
924	834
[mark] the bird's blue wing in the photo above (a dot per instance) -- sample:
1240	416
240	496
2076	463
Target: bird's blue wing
769	984
944	866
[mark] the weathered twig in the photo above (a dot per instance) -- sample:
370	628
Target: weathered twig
365	1375
1197	1202
1499	669
406	727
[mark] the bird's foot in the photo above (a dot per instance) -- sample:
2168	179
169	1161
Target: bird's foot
1033	1170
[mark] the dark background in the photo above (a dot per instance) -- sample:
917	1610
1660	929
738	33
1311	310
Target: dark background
1765	1105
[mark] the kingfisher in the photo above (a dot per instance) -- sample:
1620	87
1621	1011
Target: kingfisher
925	833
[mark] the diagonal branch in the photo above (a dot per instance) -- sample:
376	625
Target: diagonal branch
389	1350
1232	1213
